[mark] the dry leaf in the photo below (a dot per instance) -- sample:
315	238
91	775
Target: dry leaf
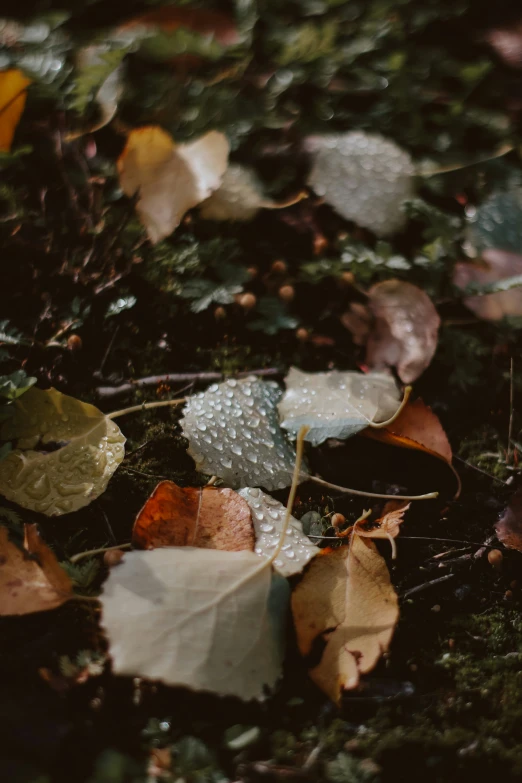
205	517
388	525
405	329
347	597
170	179
201	618
13	94
495	266
31	580
509	526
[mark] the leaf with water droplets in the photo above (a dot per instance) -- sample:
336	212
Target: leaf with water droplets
364	177
336	404
233	432
268	516
31	580
206	517
201	618
65	452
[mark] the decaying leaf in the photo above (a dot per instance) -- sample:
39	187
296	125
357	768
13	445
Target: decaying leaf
207	517
269	516
100	66
346	597
66	452
388	525
201	618
404	330
170	179
239	197
364	177
509	526
31	579
494	267
13	94
336	404
233	432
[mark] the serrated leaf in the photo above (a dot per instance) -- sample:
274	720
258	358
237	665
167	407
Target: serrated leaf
65	453
273	317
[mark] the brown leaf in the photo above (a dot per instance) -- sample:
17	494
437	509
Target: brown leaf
13	93
509	526
31	579
347	590
404	331
208	517
388	525
494	266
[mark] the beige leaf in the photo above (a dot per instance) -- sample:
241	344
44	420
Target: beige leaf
388	526
195	617
347	590
31	580
494	266
170	179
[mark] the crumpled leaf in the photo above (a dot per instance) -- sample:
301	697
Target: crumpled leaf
233	432
336	404
240	197
206	517
345	596
31	579
364	177
65	452
404	331
494	267
268	516
200	618
509	526
170	179
13	94
387	526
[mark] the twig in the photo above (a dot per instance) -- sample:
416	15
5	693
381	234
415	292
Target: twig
480	470
144	407
107	392
427	585
316	480
511	410
89	552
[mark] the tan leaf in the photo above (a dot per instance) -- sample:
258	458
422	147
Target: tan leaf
388	525
13	93
509	526
347	590
494	266
206	517
170	179
31	579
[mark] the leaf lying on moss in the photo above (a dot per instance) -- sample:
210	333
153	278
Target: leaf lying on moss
13	94
168	179
66	452
30	578
346	597
201	618
205	517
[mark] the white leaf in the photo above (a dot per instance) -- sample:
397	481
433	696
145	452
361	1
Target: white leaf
336	404
364	177
233	432
268	516
168	179
239	196
199	618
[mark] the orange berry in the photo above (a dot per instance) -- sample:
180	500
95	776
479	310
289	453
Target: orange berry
279	267
338	520
495	558
247	301
302	334
113	557
220	313
74	342
286	293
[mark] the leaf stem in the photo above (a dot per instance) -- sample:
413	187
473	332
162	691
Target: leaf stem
381	424
296	478
145	406
89	552
347	490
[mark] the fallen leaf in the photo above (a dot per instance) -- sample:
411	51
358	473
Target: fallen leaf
170	179
346	597
509	526
496	223
269	515
206	517
65	452
495	266
507	43
336	404
240	197
418	428
31	580
202	618
364	177
233	432
404	331
13	94
387	526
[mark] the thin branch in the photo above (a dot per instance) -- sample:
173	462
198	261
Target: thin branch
338	488
89	552
145	406
427	585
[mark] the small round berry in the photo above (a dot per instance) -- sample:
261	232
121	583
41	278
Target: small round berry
347	278
302	334
253	271
279	267
247	301
338	520
220	313
113	557
74	342
495	558
286	293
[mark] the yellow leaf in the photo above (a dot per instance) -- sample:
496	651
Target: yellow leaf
170	179
347	590
13	92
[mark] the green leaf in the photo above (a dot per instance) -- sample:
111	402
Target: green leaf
273	317
66	452
14	385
